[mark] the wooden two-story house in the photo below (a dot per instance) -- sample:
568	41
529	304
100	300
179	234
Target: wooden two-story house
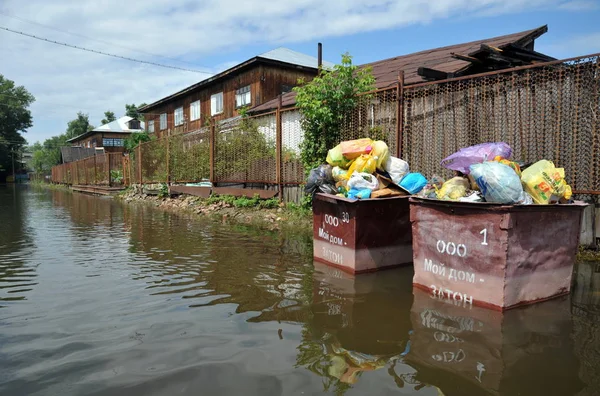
221	96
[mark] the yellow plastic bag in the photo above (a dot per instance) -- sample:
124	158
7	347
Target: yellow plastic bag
510	163
381	152
545	183
336	158
364	164
352	149
453	189
339	174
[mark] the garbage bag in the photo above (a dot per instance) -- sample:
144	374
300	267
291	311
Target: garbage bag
355	193
363	180
474	197
366	163
431	188
545	183
339	174
498	182
413	182
381	152
396	168
318	177
352	149
336	158
515	166
453	189
465	157
526	199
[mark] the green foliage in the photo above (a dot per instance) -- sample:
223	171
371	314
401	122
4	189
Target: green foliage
78	126
241	149
324	103
15	119
164	191
132	111
109	116
116	175
135	139
244	202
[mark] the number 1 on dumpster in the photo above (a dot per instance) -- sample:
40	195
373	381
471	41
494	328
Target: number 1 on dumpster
484	233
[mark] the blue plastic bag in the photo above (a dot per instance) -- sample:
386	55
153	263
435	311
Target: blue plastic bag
413	182
498	183
363	193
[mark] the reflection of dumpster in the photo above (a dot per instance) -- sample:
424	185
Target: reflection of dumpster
361	235
525	351
494	255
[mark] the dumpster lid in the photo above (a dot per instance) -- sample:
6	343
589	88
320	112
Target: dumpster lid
577	205
333	198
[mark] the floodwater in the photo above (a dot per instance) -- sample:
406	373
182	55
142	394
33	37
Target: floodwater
103	298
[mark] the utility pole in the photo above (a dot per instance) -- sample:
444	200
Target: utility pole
13	165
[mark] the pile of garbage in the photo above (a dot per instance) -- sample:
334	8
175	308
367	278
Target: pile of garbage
485	173
362	169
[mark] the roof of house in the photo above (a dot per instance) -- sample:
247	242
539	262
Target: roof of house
443	59
119	125
279	56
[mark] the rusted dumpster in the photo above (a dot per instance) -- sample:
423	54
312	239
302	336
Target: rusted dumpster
466	350
499	256
361	235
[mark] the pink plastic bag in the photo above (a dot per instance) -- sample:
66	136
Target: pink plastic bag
465	157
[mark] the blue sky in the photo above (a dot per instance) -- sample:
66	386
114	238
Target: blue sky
216	34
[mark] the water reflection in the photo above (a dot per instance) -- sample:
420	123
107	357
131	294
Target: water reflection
471	350
359	324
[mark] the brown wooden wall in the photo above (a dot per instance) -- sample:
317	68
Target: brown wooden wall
265	84
97	138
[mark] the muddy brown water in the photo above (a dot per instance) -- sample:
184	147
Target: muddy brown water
98	297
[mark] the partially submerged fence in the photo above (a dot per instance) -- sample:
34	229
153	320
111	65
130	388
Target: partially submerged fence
545	111
100	170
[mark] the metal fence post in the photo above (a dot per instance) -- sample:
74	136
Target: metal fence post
109	169
399	113
168	161
278	138
140	164
212	151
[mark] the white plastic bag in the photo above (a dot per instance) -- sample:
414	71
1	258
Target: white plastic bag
498	183
397	169
360	181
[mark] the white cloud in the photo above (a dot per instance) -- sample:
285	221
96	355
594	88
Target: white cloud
583	44
580	5
66	80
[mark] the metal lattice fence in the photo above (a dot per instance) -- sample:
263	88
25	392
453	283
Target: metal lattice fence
545	112
99	170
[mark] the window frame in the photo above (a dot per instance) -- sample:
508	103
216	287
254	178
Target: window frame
197	104
214	112
246	94
178	115
150	126
166	119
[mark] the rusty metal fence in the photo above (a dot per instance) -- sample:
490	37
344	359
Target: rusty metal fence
100	170
545	111
548	111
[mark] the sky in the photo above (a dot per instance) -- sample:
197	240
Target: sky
212	35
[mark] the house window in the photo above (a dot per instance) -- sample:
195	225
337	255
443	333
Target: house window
134	124
195	111
242	96
178	116
286	88
163	121
216	103
110	142
151	126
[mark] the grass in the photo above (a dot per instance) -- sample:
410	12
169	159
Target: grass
585	254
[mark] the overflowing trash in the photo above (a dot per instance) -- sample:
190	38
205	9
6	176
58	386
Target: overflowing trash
486	173
362	169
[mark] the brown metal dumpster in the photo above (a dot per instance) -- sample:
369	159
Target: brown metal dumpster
499	256
361	235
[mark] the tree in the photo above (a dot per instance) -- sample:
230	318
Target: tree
109	116
135	139
131	110
324	103
15	119
78	126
